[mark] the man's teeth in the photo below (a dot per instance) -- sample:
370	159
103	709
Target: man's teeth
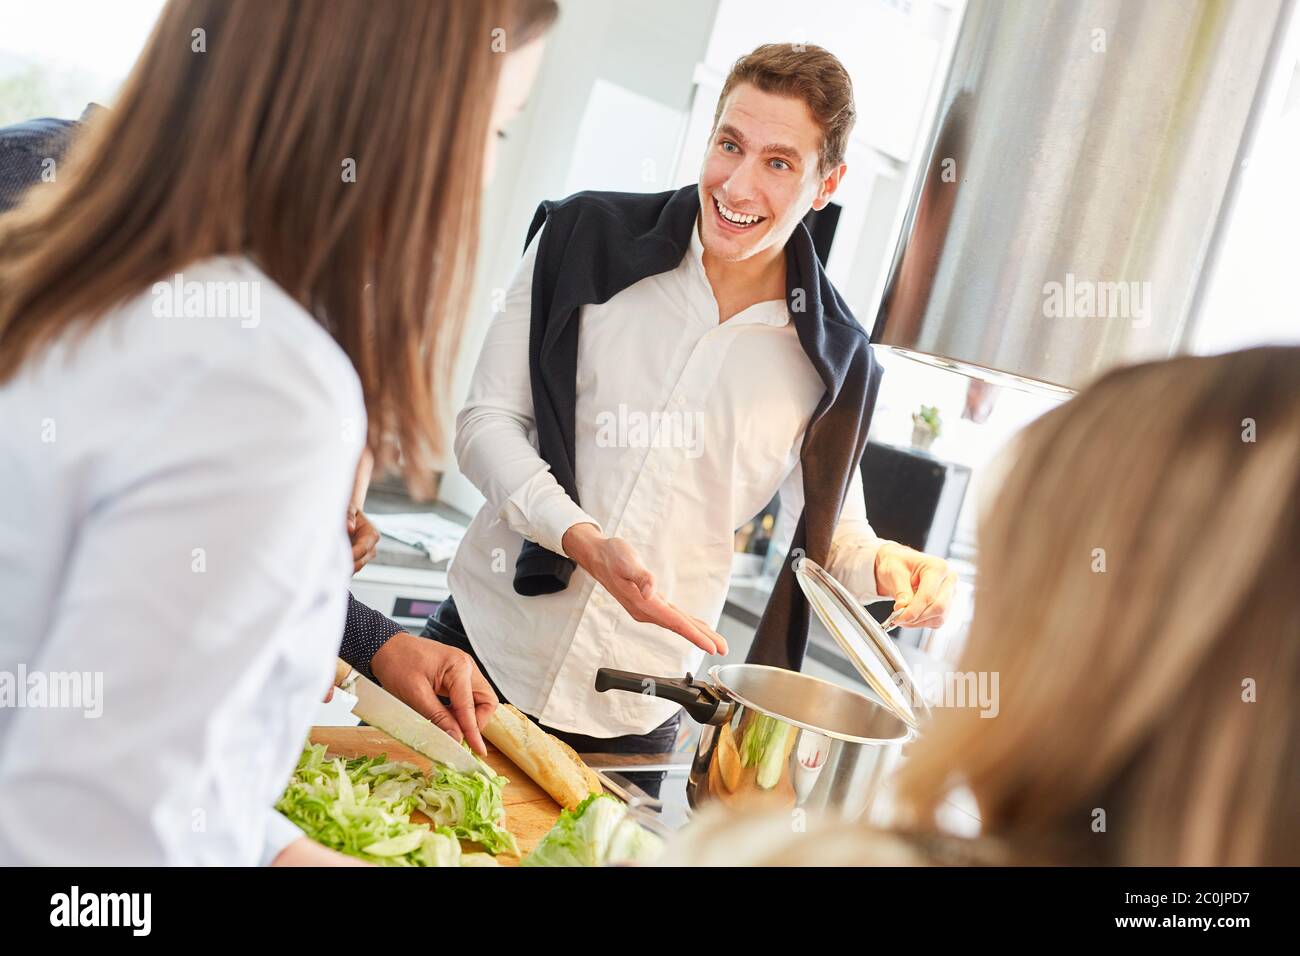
736	217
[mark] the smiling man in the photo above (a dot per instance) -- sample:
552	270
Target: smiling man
601	547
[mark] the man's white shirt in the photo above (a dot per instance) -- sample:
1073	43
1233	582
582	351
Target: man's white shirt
685	429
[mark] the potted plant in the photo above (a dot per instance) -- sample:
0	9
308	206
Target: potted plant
926	426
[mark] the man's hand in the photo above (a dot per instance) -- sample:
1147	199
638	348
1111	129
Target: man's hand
617	568
418	670
920	583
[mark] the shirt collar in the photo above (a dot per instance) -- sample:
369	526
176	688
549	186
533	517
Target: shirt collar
773	312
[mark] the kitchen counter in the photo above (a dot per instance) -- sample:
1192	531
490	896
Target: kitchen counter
396	554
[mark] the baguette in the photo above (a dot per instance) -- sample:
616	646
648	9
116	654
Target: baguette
551	763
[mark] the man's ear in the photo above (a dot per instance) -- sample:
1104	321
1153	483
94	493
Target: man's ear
829	184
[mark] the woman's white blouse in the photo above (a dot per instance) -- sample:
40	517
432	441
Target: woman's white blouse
173	570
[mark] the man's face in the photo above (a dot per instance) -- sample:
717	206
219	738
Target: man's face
763	161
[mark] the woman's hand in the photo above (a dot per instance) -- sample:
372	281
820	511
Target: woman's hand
307	852
365	540
364	537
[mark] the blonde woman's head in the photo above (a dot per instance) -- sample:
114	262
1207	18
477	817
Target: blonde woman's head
1139	595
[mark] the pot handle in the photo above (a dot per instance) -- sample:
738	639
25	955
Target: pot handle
699	699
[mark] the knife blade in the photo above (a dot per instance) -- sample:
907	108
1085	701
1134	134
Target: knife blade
381	709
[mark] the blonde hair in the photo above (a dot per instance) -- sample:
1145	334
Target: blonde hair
1139	596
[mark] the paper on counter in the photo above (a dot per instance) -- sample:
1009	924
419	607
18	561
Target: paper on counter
433	534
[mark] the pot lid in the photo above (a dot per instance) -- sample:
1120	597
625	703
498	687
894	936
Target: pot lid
868	647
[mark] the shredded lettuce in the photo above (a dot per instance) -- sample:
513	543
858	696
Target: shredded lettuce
471	805
597	832
362	807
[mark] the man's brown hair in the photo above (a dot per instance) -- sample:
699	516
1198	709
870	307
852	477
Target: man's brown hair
808	73
239	149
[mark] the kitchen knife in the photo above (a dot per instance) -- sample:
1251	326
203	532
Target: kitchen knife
381	709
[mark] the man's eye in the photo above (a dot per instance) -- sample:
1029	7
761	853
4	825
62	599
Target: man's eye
729	146
780	164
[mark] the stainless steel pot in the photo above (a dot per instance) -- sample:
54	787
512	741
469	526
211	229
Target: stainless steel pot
787	739
779	736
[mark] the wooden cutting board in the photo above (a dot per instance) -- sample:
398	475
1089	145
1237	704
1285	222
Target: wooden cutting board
530	812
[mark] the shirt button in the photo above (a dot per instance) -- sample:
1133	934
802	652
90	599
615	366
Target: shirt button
681	399
654	468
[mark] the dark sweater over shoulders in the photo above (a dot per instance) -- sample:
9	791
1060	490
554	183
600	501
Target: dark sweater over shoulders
595	245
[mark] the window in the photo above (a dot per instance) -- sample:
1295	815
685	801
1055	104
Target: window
56	56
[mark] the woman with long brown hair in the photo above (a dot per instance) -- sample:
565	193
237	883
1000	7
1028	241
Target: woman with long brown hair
1137	598
251	268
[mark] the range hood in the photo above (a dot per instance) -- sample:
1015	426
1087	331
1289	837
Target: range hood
1075	183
